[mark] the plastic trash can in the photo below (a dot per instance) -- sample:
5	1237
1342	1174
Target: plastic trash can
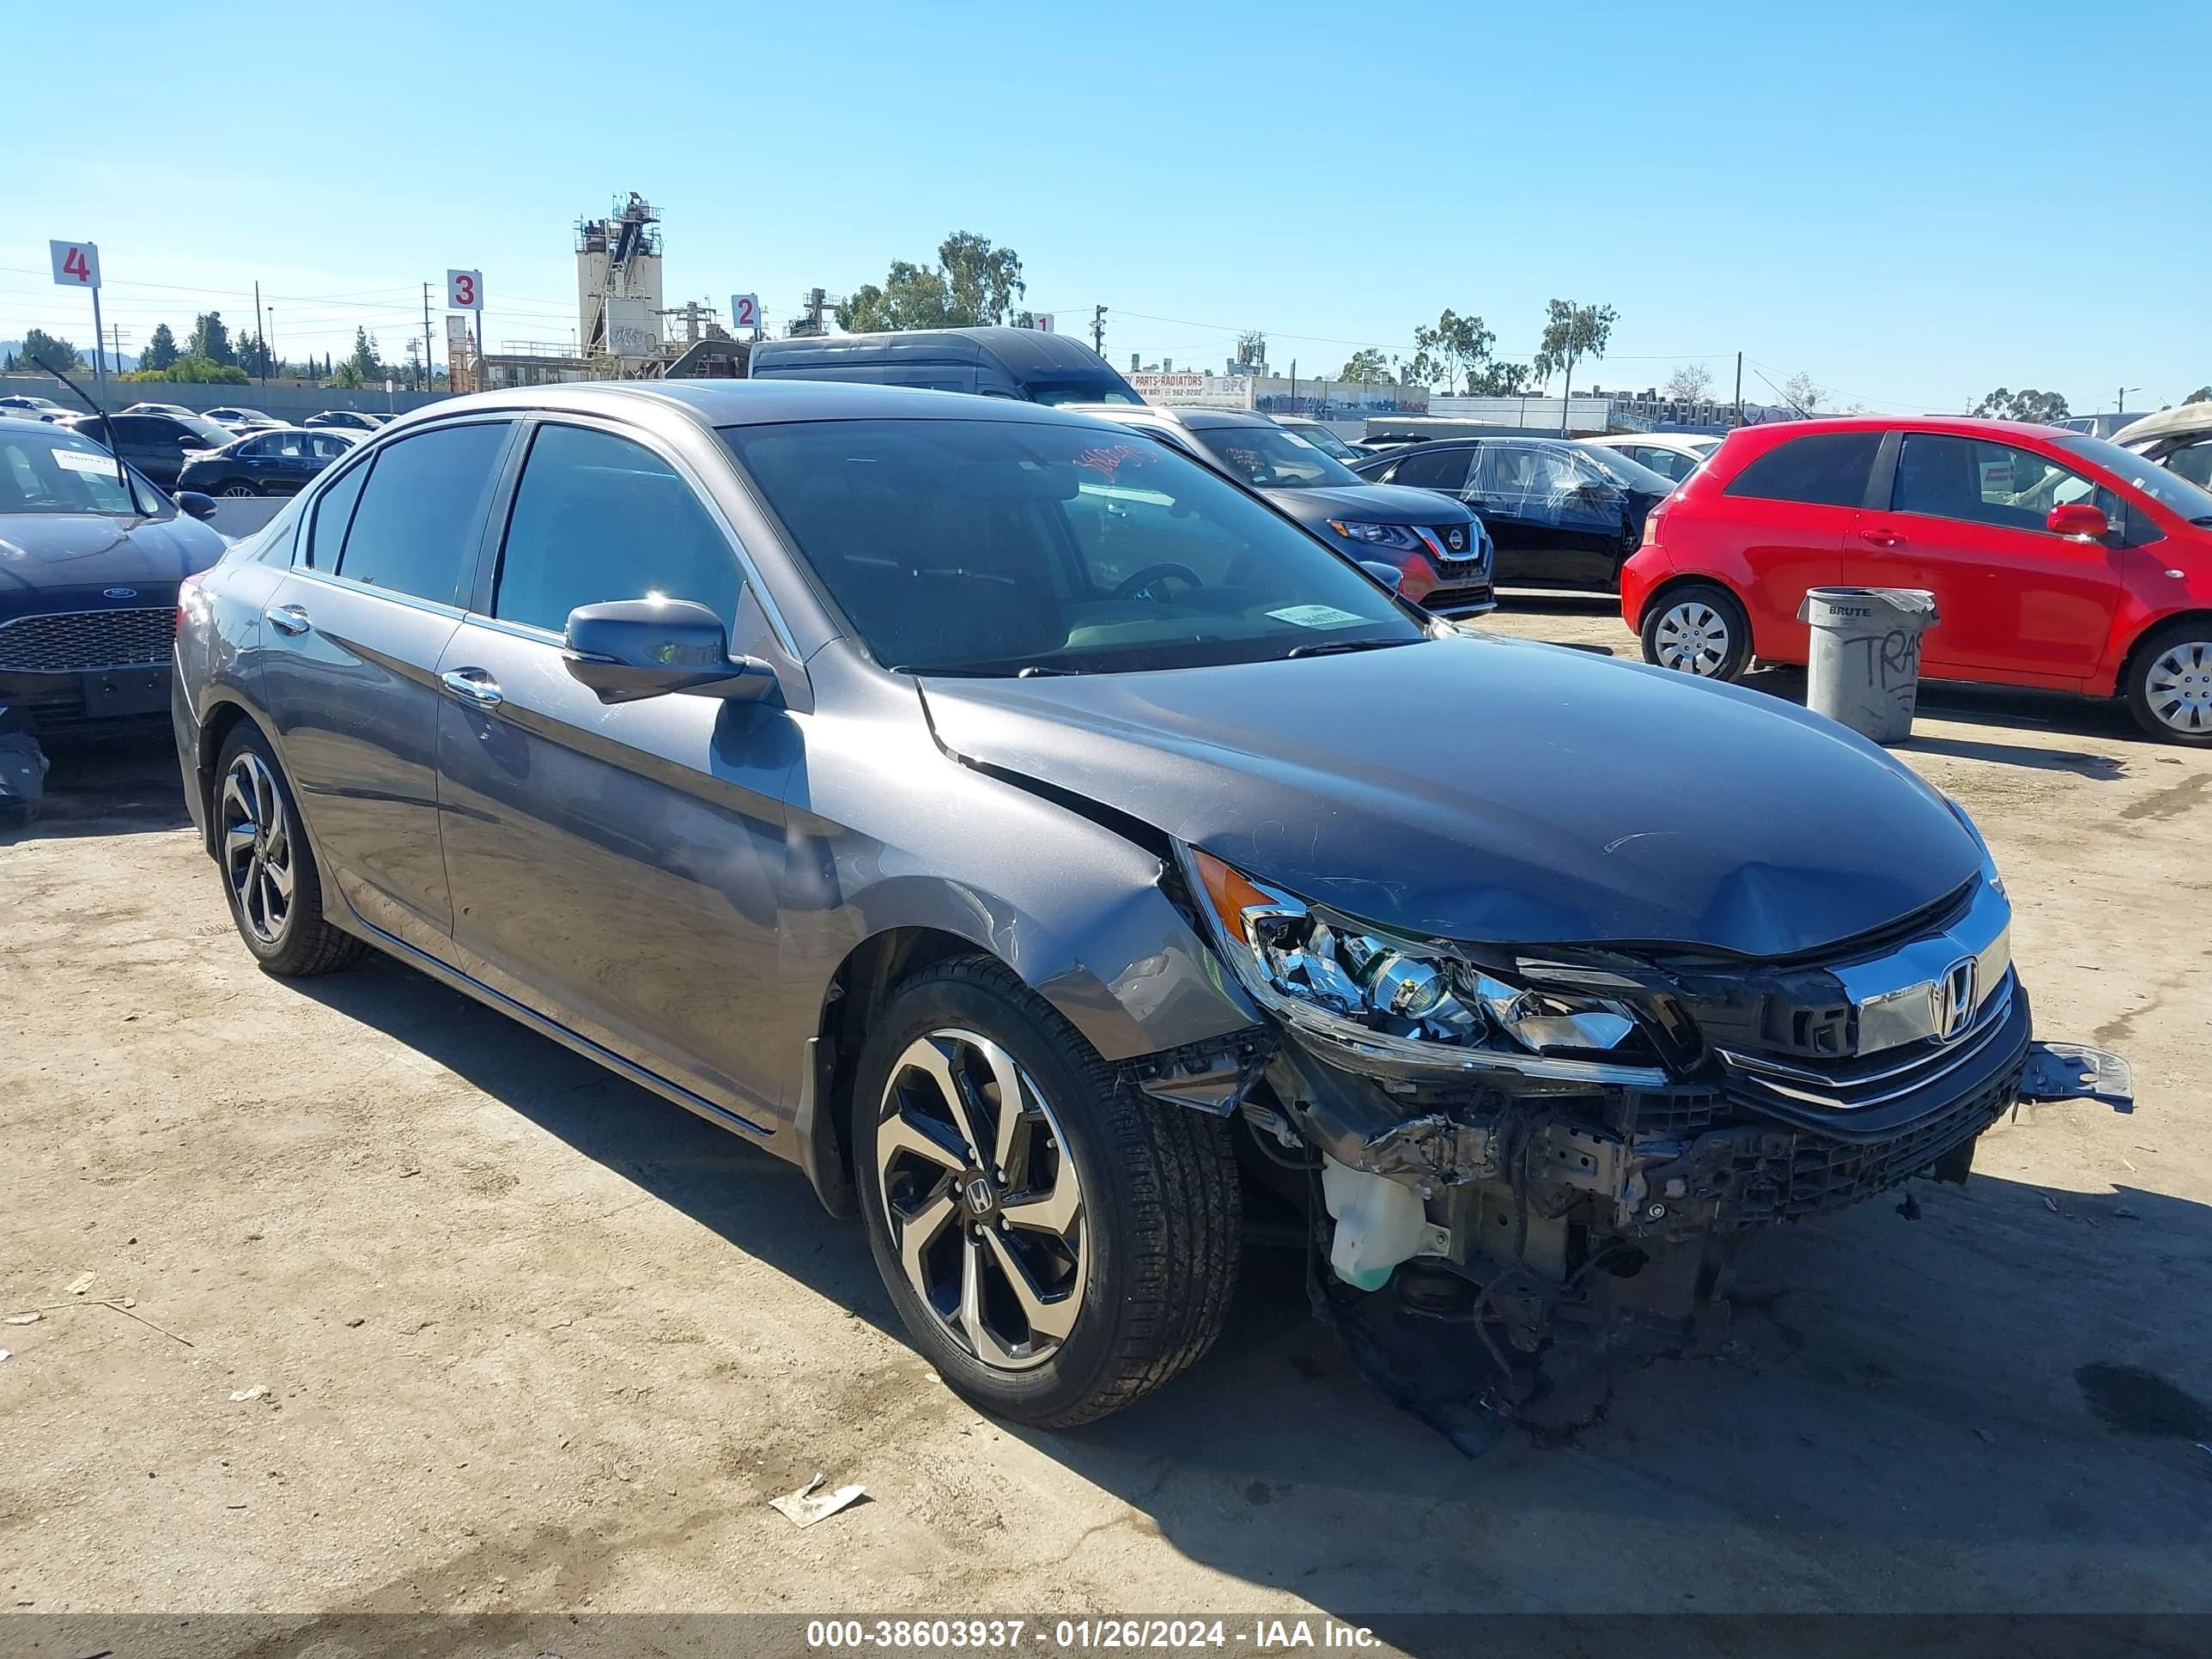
1864	669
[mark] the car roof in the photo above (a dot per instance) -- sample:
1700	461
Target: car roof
1681	442
757	403
1023	350
1196	419
2167	423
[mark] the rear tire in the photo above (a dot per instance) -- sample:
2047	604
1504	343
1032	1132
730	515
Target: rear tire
1122	1216
269	872
2169	683
1698	629
237	487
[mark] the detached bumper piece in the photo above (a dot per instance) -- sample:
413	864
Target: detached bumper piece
2074	1071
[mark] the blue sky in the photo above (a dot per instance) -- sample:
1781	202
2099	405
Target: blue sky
1913	203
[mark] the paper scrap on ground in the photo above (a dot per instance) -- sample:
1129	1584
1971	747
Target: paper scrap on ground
810	1504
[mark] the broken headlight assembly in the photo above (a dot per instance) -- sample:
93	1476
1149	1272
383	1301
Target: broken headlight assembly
1370	996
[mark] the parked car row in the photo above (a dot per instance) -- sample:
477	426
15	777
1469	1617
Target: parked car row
1100	853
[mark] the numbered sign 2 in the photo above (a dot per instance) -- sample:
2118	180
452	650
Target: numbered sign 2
464	290
744	310
76	264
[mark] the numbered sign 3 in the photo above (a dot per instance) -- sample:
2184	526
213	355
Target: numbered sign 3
76	264
464	290
744	310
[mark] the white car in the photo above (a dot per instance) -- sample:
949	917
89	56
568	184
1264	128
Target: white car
33	409
1670	454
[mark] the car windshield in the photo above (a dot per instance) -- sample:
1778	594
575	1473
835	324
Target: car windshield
1322	438
1001	547
1274	457
2169	489
1628	475
1075	392
216	435
43	469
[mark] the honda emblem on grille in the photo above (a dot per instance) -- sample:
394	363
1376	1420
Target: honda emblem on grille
118	592
1953	998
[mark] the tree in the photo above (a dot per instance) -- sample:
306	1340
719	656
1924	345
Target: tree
1364	366
192	370
210	339
1498	379
1690	383
51	350
161	351
972	285
1571	332
254	355
1804	393
2024	404
1453	352
347	375
364	362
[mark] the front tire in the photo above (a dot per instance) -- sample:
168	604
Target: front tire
1699	629
1054	1262
268	868
2169	687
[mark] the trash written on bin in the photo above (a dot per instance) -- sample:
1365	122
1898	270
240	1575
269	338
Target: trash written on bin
1864	665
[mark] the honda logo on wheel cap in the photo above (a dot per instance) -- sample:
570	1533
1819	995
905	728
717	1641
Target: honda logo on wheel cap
978	1194
1952	999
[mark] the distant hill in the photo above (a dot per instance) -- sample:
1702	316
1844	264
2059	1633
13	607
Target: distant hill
115	365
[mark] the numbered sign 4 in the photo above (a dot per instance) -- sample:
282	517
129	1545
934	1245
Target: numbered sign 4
744	310
76	264
464	290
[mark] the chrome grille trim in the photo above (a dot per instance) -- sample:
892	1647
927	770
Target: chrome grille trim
79	641
1848	1088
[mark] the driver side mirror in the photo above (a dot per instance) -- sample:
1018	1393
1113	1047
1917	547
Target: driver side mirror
199	505
1389	574
631	649
2082	522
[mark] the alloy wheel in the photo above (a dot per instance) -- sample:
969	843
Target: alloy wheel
257	848
1692	637
986	1212
2178	686
240	490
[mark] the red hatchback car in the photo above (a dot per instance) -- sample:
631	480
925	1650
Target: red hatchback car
2056	559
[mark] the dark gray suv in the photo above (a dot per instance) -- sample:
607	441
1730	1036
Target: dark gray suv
1010	821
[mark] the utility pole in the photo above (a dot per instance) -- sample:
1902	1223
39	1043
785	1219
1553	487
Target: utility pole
2121	408
1739	388
264	360
269	335
1098	329
426	342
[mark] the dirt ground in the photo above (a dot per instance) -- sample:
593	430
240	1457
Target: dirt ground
532	1338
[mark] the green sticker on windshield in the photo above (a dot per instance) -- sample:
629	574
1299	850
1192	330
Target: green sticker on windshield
1314	616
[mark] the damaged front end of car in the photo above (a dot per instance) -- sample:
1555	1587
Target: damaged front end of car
1539	1161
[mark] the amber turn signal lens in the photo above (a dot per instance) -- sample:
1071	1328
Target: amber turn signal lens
1228	891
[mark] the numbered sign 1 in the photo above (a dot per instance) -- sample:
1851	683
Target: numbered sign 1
744	310
464	290
1042	322
76	264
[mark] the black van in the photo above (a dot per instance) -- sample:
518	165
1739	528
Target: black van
999	363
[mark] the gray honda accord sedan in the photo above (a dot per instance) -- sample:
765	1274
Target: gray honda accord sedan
1014	824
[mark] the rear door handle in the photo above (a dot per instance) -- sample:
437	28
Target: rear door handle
1881	539
287	618
473	685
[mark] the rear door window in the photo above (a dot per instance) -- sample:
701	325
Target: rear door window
598	518
1433	469
417	526
1822	469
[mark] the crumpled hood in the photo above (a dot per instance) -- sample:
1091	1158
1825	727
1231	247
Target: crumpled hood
82	550
1494	790
1371	504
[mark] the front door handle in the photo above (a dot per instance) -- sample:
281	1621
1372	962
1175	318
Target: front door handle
473	685
287	618
1881	539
